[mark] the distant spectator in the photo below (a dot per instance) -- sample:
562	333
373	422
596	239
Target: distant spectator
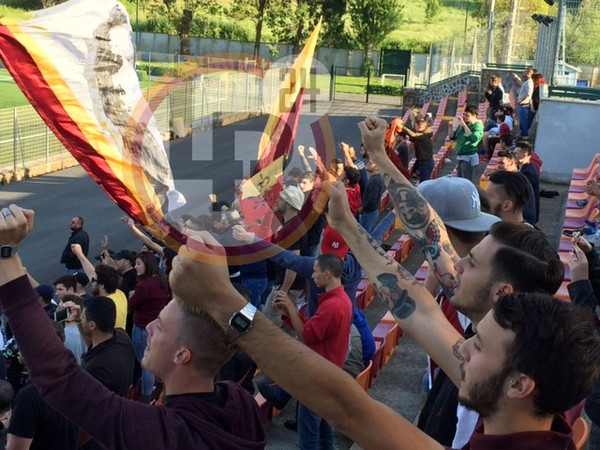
509	193
494	95
371	198
468	132
46	292
74	341
524	152
78	236
422	138
524	100
65	285
149	298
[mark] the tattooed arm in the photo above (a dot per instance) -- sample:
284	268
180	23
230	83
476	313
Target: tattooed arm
411	303
417	216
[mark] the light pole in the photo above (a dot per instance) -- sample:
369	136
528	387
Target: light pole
490	34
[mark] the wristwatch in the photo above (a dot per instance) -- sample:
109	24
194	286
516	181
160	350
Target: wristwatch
8	250
240	322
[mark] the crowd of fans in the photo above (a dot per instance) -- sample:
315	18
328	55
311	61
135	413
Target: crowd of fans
148	365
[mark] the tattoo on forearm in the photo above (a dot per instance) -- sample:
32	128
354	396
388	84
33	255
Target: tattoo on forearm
456	347
397	299
375	244
410	205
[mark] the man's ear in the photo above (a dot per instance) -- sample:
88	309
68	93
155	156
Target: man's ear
508	205
520	386
502	288
183	356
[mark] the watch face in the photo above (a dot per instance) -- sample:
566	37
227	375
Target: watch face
240	322
6	251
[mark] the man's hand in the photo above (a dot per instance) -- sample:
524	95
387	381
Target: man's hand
213	198
74	311
240	234
578	265
373	130
128	220
76	248
283	304
200	278
592	187
345	148
312	153
338	211
104	244
15	224
301	150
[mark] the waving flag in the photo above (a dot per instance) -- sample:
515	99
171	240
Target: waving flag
75	62
278	136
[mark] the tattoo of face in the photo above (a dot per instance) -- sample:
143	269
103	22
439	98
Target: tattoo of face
410	205
397	299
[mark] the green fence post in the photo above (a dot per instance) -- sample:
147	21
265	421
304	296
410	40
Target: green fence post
332	84
368	83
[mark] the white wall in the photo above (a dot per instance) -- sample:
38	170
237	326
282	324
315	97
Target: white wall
568	135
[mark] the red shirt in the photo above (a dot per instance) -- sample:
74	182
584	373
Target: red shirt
148	299
328	331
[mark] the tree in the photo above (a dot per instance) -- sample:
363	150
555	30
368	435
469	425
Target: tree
370	21
432	8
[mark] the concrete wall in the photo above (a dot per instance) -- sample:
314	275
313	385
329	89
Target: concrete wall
567	136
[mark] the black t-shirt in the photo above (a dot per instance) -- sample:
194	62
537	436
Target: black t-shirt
33	418
128	280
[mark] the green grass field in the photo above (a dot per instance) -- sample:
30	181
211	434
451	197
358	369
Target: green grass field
10	95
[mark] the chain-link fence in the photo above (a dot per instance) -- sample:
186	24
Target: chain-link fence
184	94
561	40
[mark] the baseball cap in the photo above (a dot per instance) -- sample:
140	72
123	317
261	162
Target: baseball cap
125	254
293	196
456	201
45	291
333	243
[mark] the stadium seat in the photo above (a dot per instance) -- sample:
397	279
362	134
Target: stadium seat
364	378
581	432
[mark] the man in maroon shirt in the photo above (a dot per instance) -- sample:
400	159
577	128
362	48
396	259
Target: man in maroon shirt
185	348
327	332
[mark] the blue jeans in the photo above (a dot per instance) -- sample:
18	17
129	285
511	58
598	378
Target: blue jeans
257	287
524	114
139	338
313	432
368	220
72	271
425	169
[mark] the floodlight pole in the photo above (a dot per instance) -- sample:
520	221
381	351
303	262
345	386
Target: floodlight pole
490	34
560	29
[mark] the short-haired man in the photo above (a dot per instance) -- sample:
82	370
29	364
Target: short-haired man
468	132
524	152
65	285
288	205
371	198
327	333
422	138
78	236
110	357
532	358
105	281
124	260
509	193
185	349
524	100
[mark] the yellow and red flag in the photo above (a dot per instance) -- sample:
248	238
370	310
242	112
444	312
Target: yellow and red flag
75	62
278	137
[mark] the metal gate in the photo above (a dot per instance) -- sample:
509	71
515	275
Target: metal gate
348	84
